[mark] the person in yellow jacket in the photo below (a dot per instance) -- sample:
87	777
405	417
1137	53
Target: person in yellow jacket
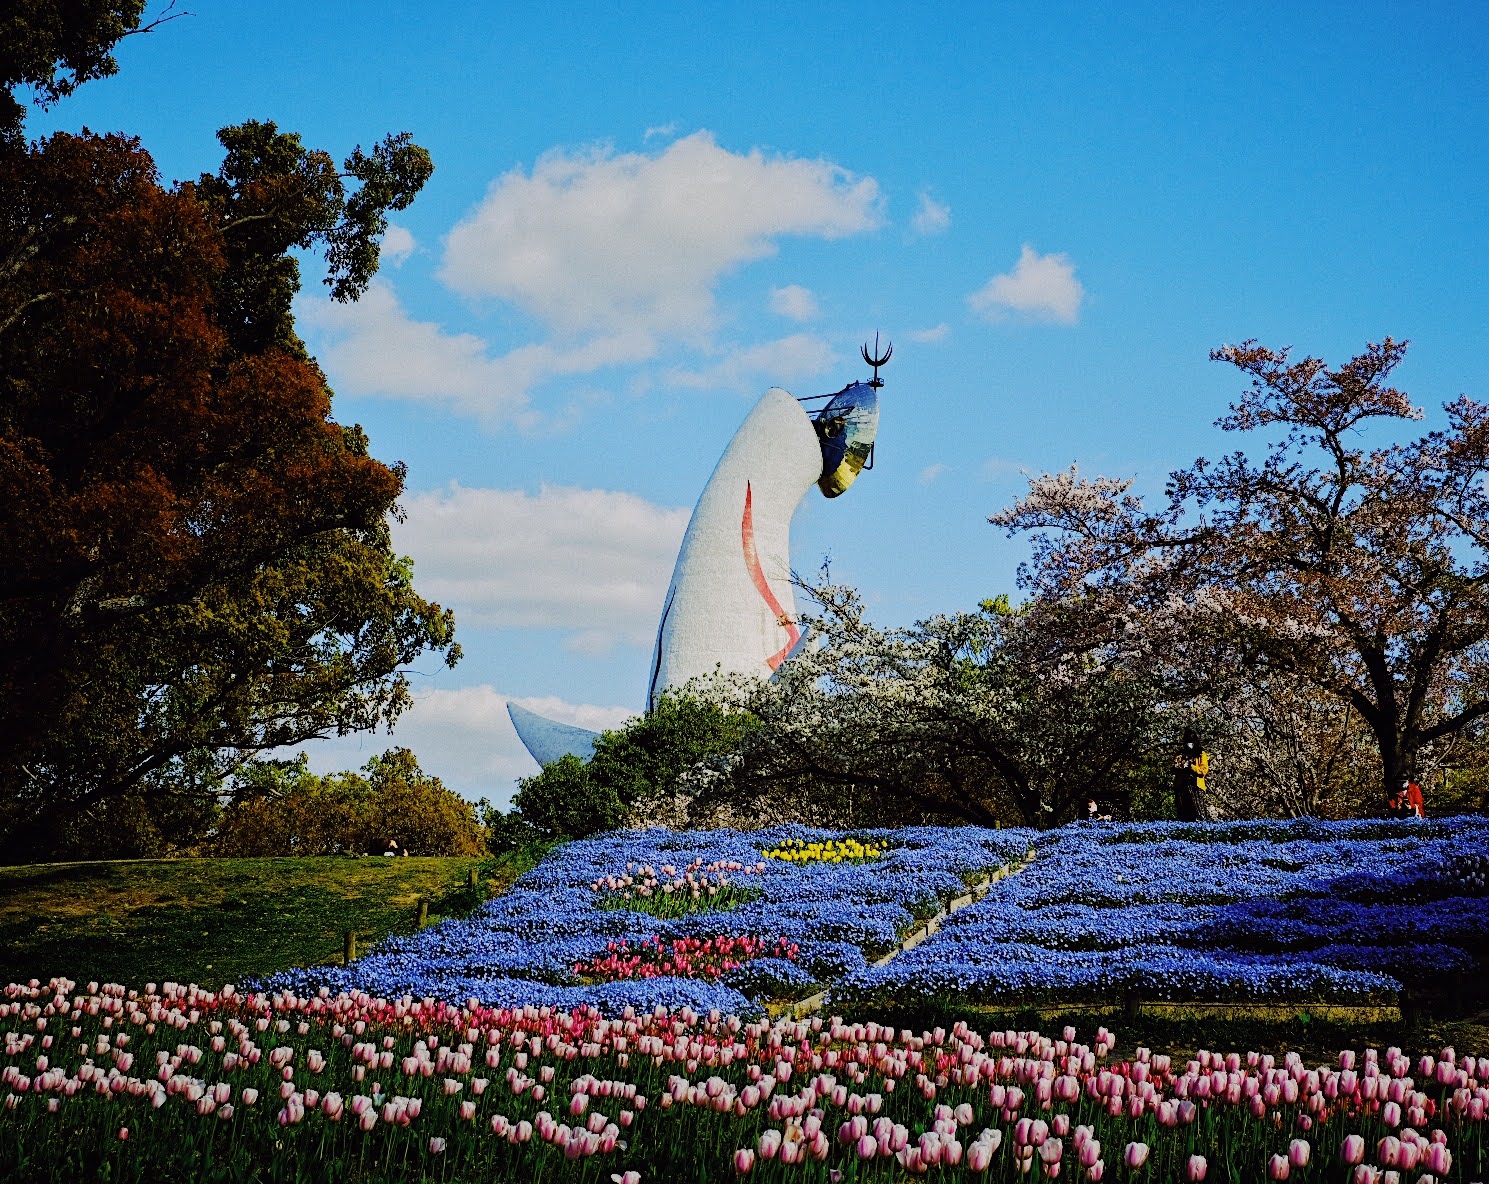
1191	767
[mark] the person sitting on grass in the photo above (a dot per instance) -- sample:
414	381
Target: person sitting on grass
1407	802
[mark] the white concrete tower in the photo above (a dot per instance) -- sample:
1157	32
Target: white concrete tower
730	606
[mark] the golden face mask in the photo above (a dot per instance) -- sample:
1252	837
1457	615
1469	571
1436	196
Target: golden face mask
846	427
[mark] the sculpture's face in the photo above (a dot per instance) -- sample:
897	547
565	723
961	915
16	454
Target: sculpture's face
846	428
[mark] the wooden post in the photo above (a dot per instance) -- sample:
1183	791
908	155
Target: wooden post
423	918
349	948
471	878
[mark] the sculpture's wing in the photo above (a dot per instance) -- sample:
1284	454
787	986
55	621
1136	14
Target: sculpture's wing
547	739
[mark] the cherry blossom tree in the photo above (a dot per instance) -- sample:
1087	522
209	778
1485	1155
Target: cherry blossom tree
1361	573
971	717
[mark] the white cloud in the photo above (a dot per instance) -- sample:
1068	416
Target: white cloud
1040	287
593	561
931	216
931	472
464	737
793	301
777	363
595	242
373	347
932	336
397	244
663	130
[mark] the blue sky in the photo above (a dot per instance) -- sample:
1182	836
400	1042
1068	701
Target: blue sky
643	216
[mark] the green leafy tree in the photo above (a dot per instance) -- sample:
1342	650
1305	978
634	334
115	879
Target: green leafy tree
199	561
281	808
54	46
565	799
637	771
651	759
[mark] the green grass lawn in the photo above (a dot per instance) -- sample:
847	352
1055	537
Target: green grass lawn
213	921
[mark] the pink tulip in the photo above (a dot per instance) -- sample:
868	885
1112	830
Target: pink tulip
769	1144
1090	1152
868	1147
1278	1168
1196	1168
1352	1150
1298	1152
1096	1171
1391	1114
744	1161
436	1146
1365	1174
979	1156
123	1133
1136	1155
1438	1159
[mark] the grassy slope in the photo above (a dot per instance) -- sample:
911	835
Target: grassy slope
206	920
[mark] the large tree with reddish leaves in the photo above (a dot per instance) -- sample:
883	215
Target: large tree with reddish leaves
1362	573
198	565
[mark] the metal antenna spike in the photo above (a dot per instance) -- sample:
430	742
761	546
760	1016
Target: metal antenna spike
876	359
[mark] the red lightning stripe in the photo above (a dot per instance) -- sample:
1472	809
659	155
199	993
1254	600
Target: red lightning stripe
752	562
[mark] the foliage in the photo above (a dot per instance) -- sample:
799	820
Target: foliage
1282	748
199	560
53	47
646	761
566	799
208	920
636	773
1362	575
974	717
281	808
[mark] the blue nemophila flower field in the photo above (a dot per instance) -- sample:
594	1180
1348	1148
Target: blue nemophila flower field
1269	911
522	948
1302	910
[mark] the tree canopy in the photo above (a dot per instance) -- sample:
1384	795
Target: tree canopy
200	563
53	46
279	807
968	717
1359	574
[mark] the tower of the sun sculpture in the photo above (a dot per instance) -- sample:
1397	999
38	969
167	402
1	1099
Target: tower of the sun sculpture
730	606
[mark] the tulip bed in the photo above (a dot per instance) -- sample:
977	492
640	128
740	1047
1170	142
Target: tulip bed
179	1083
1301	912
